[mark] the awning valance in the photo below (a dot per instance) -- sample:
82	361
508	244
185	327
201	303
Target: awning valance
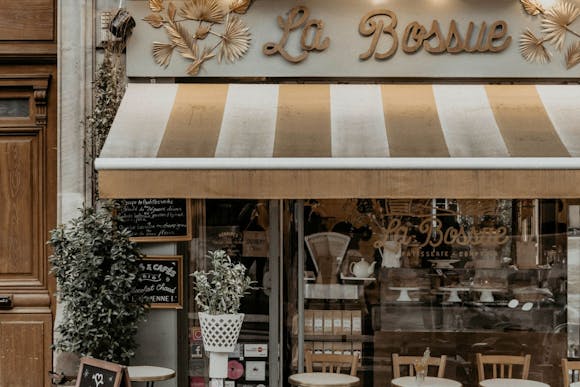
320	140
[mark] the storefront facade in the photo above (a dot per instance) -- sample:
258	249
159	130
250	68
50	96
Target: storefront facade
422	138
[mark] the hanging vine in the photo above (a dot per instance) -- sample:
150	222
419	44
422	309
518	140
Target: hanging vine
108	89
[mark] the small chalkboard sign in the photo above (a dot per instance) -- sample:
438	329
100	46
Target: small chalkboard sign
161	282
100	373
156	220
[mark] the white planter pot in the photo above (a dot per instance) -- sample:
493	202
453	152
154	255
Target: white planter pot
220	333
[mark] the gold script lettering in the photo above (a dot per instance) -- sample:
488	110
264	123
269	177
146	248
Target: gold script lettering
415	32
369	26
479	45
454	42
316	43
434	33
498	31
298	17
434	40
433	231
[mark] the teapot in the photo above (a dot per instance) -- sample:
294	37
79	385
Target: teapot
362	268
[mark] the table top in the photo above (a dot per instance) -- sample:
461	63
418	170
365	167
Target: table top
511	383
575	384
430	381
323	379
149	373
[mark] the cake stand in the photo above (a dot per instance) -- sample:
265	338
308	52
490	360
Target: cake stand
454	293
487	293
404	292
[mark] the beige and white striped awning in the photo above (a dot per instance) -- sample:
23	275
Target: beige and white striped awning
300	141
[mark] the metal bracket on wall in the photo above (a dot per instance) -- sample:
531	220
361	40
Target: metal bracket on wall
103	33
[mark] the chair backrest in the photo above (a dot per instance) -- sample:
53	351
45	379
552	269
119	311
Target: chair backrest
334	363
570	371
408	361
502	365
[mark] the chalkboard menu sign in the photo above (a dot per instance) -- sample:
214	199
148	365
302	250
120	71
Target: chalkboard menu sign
156	220
100	373
161	282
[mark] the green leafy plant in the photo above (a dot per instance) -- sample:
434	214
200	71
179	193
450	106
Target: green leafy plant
97	268
220	289
108	89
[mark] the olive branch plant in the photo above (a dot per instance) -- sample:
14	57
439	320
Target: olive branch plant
555	27
233	39
220	289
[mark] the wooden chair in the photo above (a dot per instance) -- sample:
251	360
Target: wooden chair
502	362
331	362
570	371
408	361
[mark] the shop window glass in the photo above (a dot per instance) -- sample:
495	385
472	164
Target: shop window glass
458	276
241	228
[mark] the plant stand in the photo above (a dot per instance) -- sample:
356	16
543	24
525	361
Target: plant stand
219	334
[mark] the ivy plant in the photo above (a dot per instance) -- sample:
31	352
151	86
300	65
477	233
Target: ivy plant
96	267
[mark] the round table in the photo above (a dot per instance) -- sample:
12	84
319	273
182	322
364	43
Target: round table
149	374
507	382
322	379
430	381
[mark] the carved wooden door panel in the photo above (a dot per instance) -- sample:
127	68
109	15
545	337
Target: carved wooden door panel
25	314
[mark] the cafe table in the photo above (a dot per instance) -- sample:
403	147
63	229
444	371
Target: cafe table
511	382
149	374
323	379
430	381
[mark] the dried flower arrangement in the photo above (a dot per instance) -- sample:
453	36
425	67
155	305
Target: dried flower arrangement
555	26
233	41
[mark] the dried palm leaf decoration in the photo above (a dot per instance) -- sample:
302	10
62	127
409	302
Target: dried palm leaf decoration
532	48
206	18
162	53
239	6
532	7
155	20
556	22
156	5
235	40
555	26
573	55
211	11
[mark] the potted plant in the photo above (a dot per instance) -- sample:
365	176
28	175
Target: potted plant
97	268
218	293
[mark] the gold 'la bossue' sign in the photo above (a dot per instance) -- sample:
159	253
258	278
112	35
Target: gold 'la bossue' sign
383	22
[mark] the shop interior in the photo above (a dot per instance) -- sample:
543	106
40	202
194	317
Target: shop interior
379	277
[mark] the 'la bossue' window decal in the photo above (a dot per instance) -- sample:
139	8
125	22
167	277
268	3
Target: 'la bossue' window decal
217	31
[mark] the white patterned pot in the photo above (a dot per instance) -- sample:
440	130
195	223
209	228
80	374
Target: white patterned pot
219	333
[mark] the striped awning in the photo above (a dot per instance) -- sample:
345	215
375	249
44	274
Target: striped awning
389	140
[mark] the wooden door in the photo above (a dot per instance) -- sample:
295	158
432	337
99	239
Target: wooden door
27	202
